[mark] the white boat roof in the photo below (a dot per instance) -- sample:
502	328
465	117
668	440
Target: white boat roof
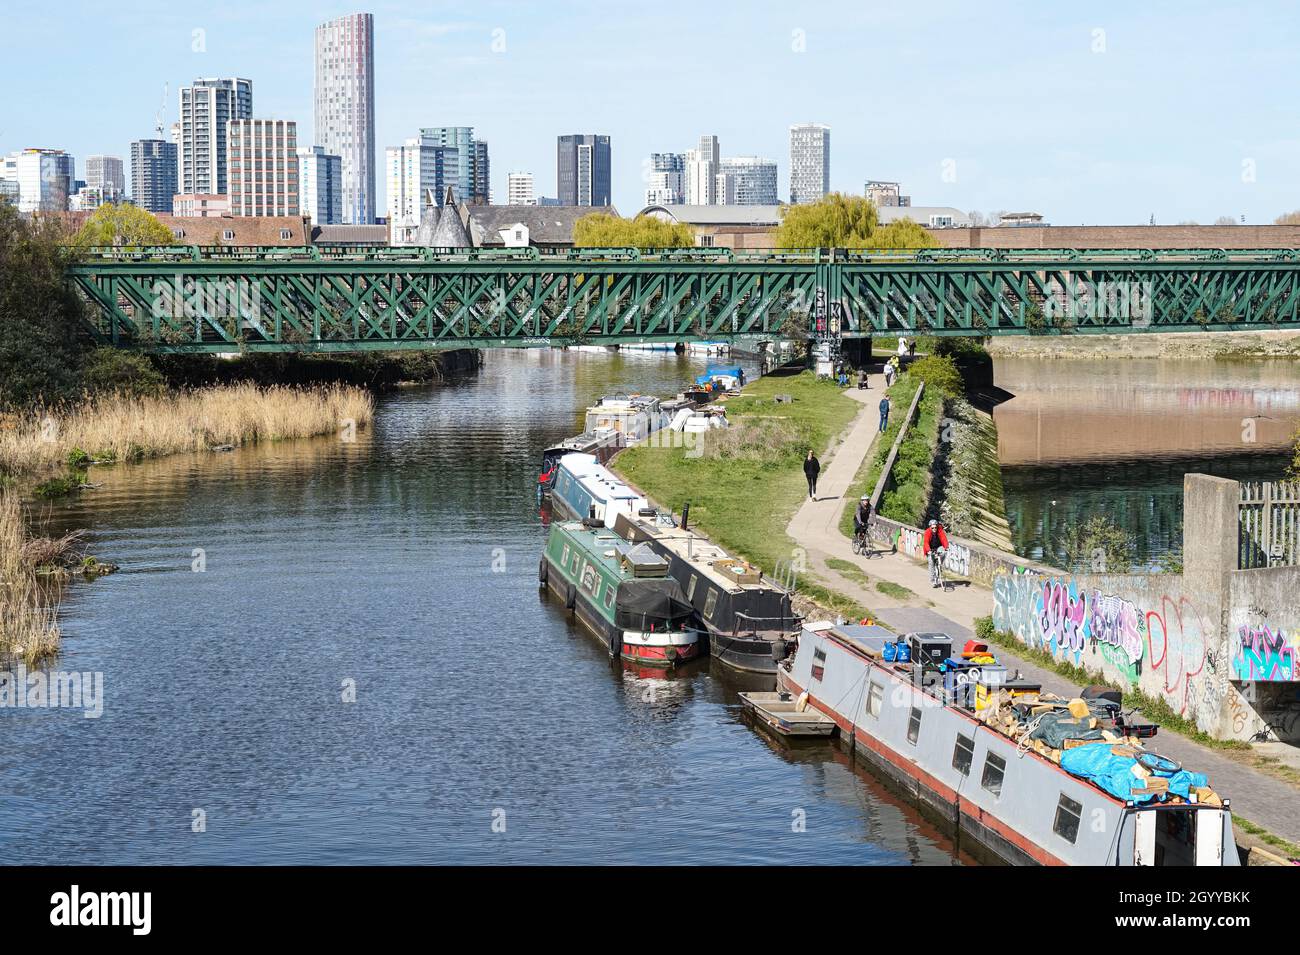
597	479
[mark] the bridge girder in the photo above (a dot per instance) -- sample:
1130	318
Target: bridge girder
266	300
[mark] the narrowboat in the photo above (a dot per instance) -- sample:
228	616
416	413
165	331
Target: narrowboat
990	776
635	417
585	490
719	378
600	445
749	618
622	593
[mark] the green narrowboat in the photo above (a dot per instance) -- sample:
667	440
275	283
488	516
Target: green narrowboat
622	593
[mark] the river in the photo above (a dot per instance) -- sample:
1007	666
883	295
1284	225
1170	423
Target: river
1115	437
260	586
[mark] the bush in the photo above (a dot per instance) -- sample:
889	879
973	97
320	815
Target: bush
113	371
939	372
42	336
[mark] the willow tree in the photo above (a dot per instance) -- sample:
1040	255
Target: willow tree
123	225
603	231
846	222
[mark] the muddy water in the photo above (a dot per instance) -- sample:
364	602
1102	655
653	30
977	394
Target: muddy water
1116	437
403	565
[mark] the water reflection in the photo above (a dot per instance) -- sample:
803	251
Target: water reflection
1116	437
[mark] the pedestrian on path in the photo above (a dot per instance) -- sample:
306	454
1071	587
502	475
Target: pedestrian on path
902	346
884	414
811	468
889	373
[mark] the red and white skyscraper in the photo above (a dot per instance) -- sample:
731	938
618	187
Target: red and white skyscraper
345	108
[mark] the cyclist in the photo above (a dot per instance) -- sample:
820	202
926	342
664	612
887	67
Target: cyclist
861	520
934	544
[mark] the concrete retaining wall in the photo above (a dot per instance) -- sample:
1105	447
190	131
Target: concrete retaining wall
1217	644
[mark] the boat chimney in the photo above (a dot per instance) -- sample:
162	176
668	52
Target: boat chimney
686	513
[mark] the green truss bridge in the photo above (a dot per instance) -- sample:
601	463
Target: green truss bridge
225	299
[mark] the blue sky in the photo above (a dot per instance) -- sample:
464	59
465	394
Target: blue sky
1103	115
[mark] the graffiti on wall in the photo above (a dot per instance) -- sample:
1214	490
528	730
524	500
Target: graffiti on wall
1262	653
1161	646
1063	619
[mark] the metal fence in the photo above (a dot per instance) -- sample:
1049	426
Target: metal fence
1268	524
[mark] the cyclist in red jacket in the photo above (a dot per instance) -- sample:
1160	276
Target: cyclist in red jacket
934	544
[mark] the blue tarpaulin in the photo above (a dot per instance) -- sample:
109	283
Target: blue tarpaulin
1114	773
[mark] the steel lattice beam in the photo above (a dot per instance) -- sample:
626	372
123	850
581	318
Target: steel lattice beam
185	299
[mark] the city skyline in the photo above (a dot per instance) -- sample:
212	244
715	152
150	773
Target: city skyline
950	140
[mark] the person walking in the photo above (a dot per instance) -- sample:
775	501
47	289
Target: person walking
911	348
884	413
811	468
889	373
902	346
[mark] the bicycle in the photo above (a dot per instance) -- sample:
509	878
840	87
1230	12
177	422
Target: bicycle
936	566
860	545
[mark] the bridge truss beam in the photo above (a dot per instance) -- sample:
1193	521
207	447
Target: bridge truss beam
263	301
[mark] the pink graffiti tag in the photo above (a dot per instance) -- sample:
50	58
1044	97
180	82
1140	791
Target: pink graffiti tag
1061	618
1263	655
1115	621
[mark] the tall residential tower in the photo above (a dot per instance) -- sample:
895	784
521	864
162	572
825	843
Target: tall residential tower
345	108
810	162
582	170
206	107
153	174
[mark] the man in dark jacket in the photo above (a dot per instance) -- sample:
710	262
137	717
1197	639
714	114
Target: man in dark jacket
811	468
884	413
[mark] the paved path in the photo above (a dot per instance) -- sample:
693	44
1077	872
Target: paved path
1256	796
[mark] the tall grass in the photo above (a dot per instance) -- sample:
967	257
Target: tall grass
120	428
29	629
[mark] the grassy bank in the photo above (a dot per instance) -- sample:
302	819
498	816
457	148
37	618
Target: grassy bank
29	629
121	428
746	482
907	496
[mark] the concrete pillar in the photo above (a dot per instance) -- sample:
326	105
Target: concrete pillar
1209	524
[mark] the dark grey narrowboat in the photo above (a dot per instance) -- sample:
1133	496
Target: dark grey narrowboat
751	623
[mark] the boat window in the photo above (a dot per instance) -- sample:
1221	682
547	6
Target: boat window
963	754
875	694
589	578
609	598
995	767
564	557
914	725
711	603
690	588
1068	813
819	664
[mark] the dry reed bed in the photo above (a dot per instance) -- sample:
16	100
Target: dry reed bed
120	428
29	628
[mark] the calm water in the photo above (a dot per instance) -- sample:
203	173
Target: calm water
406	562
1116	437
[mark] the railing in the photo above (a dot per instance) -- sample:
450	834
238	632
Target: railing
687	254
883	480
1268	524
